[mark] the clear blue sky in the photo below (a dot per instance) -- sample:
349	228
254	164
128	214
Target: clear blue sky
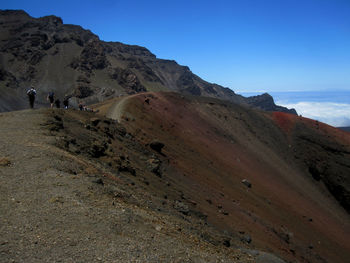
247	45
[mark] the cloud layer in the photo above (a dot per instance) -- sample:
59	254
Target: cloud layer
335	114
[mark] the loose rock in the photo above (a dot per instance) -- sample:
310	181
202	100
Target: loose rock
247	239
227	243
246	183
4	161
157	146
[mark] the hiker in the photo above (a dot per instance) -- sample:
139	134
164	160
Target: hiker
58	103
51	98
31	96
81	106
89	109
66	102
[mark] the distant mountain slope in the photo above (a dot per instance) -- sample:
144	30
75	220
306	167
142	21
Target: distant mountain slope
345	128
73	61
277	178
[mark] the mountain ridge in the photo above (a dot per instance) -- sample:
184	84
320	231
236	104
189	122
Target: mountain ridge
32	50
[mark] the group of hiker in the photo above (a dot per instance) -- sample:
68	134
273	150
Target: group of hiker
55	101
50	97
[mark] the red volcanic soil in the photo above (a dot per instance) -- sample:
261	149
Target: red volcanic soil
213	145
286	122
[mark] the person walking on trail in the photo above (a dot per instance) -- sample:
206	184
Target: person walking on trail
31	96
81	106
58	103
66	102
51	98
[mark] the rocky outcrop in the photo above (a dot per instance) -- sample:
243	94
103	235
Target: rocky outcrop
8	79
92	57
128	80
266	102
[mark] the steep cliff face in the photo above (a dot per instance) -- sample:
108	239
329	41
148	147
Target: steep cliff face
72	61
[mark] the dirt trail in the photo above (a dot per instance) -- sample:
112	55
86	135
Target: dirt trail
118	108
51	210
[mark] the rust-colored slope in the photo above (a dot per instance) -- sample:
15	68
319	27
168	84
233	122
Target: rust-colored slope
214	145
323	149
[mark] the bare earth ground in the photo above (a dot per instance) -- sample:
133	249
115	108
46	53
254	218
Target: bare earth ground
80	187
215	145
52	209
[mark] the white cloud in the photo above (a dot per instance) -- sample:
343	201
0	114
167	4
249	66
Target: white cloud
335	114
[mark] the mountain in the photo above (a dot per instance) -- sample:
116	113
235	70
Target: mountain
161	176
70	60
279	178
166	168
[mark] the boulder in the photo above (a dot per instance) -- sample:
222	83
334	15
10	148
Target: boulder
157	146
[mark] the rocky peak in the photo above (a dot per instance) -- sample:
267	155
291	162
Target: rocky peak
55	20
129	49
266	102
10	15
264	99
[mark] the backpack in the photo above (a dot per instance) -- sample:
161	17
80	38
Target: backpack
31	93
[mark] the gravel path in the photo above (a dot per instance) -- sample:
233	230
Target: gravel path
52	211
